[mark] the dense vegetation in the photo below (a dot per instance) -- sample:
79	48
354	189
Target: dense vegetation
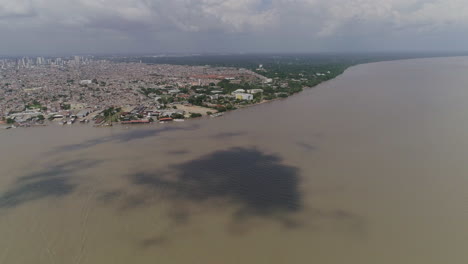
111	114
295	71
290	73
251	61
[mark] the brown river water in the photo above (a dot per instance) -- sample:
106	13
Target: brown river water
371	167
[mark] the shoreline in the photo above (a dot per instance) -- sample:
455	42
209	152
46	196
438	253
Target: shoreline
156	121
205	111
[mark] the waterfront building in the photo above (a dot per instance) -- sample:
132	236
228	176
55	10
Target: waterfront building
244	96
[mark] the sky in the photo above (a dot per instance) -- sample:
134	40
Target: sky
52	27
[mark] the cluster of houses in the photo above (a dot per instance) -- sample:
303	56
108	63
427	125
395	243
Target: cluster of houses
143	113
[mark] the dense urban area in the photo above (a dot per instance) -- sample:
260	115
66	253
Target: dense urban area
105	91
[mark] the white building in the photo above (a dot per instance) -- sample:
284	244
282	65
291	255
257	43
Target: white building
255	91
174	91
214	97
85	82
238	91
83	113
244	96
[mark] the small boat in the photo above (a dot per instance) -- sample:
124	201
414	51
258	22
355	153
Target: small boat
217	115
179	120
167	119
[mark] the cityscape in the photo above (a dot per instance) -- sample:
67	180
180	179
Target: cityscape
82	89
85	89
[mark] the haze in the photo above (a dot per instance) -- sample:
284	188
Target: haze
53	27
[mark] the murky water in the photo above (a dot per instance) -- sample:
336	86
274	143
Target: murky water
368	168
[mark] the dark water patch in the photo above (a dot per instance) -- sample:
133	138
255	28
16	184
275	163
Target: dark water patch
59	170
226	135
306	146
124	137
54	181
132	201
343	220
145	133
179	216
152	242
256	183
110	196
32	191
178	152
250	185
291	223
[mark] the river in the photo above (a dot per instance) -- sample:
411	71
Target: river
370	167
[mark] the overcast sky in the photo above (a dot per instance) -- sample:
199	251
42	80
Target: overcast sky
158	26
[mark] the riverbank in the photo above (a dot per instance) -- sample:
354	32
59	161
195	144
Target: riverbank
167	110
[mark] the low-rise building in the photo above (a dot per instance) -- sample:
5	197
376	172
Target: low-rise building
244	96
255	91
86	82
83	113
238	91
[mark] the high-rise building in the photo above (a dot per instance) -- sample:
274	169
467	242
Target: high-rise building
77	60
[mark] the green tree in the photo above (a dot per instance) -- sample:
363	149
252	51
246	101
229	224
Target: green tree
177	116
221	109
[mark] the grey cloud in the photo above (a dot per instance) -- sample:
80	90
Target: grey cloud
235	25
16	9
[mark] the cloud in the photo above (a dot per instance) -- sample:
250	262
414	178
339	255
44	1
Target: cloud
160	21
15	9
183	15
